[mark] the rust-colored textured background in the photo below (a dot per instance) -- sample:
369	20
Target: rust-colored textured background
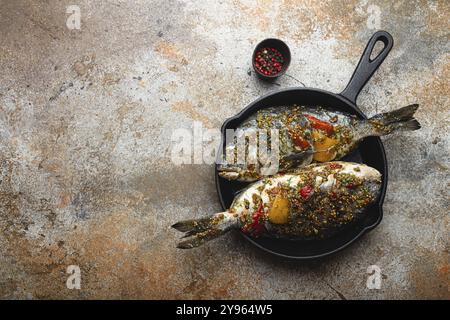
86	119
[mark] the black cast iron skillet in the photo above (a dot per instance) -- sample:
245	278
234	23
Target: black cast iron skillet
370	152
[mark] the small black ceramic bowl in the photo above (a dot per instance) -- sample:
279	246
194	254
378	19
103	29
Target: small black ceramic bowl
281	47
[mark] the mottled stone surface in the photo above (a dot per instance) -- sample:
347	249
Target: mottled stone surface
86	118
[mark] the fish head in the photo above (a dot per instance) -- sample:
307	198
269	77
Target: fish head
357	179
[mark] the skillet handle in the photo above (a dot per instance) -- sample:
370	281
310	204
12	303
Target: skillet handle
366	66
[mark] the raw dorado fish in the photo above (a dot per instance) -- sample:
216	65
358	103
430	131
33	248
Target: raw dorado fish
312	202
309	135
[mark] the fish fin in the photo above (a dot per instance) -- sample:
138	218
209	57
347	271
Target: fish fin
229	175
200	238
205	229
237	173
402	114
192	224
301	159
386	123
409	125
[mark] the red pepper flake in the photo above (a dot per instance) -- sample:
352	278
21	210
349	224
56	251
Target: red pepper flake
335	165
306	191
298	140
350	186
255	227
269	61
320	125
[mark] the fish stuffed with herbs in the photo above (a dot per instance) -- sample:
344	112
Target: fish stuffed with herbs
306	135
313	202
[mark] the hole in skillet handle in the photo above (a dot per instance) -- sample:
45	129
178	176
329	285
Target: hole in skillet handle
377	49
279	45
367	66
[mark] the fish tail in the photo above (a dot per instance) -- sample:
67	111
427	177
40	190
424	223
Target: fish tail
385	123
199	231
409	125
402	114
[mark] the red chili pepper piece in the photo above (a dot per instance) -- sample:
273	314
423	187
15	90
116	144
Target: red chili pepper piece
302	143
306	191
321	125
335	165
255	227
298	140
